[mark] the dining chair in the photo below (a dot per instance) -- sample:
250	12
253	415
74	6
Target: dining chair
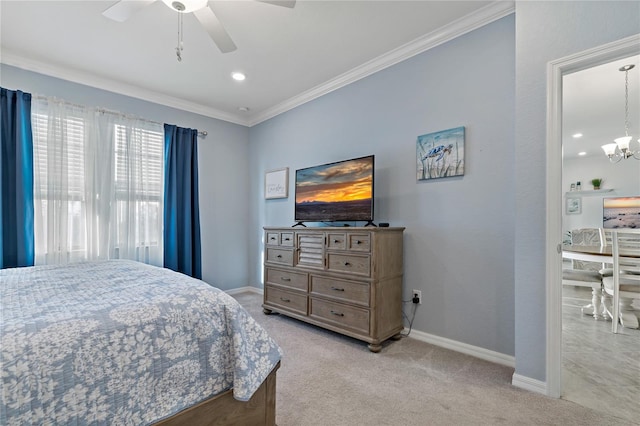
587	274
624	285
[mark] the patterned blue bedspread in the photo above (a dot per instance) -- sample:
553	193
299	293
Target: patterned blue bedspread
120	342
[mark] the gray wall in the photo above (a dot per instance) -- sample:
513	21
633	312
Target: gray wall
459	238
468	239
546	31
223	169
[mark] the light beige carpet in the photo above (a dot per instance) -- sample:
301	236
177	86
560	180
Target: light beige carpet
329	379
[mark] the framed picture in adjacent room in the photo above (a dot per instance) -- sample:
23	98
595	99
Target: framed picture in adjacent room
276	183
573	205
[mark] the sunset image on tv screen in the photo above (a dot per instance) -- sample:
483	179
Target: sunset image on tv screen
337	191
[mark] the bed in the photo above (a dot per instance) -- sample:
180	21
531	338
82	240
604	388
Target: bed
121	342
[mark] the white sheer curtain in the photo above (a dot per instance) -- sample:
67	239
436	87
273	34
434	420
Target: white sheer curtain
98	184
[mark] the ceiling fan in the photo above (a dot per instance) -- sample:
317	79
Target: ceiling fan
123	9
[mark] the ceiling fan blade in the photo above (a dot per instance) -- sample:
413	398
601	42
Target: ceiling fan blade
284	3
122	10
214	27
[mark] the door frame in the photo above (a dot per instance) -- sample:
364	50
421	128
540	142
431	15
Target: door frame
555	71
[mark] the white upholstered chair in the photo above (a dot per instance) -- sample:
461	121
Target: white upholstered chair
587	274
626	266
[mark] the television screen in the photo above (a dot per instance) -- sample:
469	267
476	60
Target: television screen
621	212
340	191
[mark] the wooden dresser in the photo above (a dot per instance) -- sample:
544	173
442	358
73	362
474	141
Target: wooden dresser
345	279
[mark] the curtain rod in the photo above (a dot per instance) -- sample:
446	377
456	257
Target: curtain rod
202	133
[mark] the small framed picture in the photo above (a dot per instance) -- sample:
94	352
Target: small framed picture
574	206
440	154
276	183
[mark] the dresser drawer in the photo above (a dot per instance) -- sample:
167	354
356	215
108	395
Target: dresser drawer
350	263
284	239
356	319
285	299
359	242
295	280
346	291
282	256
273	238
336	241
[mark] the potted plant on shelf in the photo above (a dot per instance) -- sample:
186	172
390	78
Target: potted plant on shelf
596	183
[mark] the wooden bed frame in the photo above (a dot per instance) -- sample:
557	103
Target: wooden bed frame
224	410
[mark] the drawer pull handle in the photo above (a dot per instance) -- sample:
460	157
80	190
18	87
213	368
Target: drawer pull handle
273	238
285	279
337	288
287	239
336	241
347	264
285	300
357	241
338	314
279	256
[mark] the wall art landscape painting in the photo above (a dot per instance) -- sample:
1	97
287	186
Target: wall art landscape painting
440	154
621	212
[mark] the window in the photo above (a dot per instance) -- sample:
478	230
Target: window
139	159
98	184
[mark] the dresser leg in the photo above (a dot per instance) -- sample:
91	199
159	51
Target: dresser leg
267	311
396	336
374	348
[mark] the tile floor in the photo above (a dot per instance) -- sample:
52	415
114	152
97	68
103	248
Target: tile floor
600	369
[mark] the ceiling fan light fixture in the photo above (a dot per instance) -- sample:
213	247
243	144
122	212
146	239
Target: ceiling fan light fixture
185	6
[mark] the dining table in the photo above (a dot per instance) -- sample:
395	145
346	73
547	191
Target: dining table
604	254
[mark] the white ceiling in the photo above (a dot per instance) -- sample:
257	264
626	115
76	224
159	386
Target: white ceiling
289	55
594	104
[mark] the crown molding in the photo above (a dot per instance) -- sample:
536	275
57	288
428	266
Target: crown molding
490	13
11	58
470	22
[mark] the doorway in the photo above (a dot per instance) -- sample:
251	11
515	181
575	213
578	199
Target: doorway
599	368
554	189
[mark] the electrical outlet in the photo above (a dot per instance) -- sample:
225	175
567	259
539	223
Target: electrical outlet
417	294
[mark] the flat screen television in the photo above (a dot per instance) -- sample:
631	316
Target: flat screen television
621	212
336	192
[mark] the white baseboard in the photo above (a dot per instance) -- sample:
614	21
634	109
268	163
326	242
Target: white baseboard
517	380
527	383
246	289
475	351
464	348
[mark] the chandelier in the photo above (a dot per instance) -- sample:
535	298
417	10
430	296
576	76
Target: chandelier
620	149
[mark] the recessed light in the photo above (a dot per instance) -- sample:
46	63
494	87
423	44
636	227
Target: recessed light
243	109
238	76
582	153
577	135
